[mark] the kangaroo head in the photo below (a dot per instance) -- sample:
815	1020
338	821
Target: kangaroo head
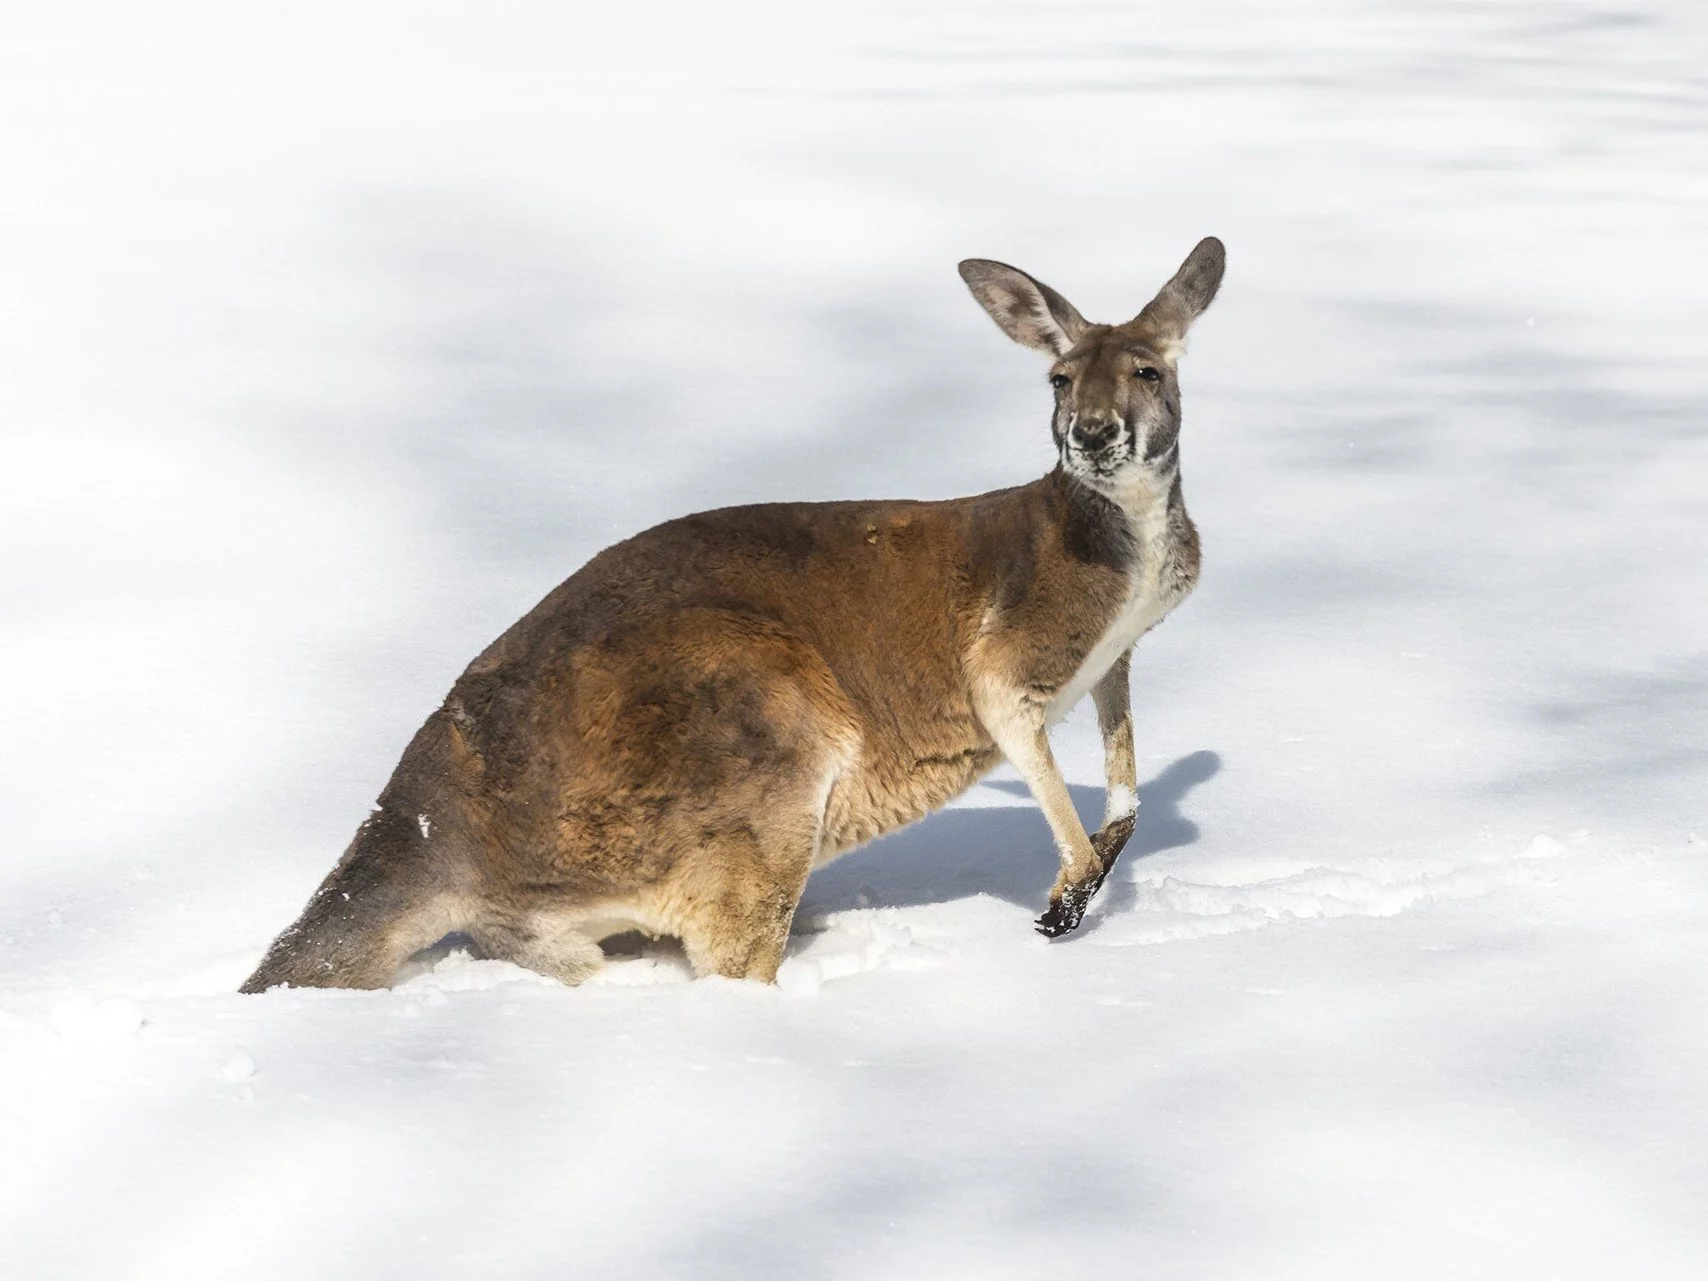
1117	397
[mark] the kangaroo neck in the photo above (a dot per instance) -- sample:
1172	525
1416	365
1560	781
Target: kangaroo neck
1095	529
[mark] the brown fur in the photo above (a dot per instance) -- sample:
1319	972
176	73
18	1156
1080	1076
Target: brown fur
682	730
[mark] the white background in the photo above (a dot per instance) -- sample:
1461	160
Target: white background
333	336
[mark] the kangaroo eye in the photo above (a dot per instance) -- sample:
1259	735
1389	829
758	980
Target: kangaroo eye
1059	380
1147	373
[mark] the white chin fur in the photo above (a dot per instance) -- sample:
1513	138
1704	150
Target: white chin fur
1099	475
1134	485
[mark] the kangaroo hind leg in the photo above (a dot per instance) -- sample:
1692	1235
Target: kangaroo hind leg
558	950
735	897
732	738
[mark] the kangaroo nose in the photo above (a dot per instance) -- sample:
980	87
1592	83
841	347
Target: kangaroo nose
1093	434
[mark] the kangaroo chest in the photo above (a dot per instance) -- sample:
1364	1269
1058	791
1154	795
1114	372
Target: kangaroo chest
1156	585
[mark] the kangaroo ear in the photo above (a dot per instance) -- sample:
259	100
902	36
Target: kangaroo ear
1027	310
1178	303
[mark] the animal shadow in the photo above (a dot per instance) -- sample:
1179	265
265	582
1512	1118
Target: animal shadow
1005	851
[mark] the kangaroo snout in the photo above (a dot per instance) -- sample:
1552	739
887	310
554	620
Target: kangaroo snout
1092	434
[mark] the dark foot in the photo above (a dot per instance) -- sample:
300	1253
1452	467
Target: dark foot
1109	842
1065	913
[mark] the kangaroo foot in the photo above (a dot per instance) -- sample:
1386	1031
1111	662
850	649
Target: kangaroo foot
1067	907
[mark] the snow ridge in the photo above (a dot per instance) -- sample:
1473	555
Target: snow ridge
1168	909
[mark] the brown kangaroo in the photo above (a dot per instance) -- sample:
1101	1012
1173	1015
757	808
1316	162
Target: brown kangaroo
676	736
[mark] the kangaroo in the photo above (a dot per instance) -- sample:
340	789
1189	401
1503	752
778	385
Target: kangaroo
678	734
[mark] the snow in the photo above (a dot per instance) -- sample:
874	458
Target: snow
333	336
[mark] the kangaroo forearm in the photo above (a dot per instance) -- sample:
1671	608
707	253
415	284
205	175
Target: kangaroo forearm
1115	720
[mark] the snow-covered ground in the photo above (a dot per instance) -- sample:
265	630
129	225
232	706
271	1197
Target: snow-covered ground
332	336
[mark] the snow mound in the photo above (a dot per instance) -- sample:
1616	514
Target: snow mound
85	1018
461	971
214	979
1168	908
654	966
843	944
239	1067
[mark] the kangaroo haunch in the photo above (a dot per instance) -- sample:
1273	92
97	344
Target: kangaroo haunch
675	737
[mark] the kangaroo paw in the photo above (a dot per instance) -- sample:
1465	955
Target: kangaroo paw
1064	913
1109	842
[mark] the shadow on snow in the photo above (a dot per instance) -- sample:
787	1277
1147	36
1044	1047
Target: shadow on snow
1004	851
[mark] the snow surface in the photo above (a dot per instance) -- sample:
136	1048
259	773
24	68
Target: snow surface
332	336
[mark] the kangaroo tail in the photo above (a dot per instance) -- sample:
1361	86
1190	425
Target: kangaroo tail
393	893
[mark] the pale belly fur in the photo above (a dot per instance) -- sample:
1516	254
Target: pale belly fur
867	802
1144	611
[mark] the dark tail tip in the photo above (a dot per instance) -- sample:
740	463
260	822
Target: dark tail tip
366	918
